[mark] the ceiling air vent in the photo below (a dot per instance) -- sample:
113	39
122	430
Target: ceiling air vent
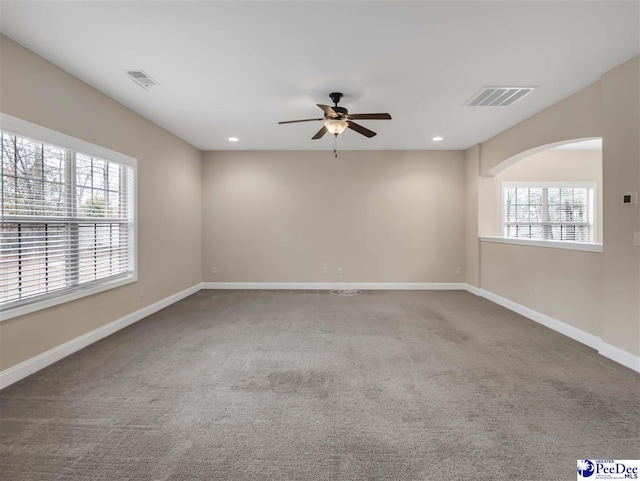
141	78
499	96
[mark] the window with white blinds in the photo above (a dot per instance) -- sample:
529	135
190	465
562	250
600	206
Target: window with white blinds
68	222
553	211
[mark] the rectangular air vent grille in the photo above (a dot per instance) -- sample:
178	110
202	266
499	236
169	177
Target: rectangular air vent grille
499	96
141	78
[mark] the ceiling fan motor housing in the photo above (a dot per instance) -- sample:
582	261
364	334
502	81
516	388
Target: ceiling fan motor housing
340	110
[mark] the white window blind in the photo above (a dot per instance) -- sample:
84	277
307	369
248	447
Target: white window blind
68	221
559	212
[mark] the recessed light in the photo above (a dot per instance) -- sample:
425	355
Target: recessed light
437	139
233	139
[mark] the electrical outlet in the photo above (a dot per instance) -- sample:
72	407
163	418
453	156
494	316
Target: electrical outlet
339	271
141	291
636	239
458	271
536	293
214	271
325	271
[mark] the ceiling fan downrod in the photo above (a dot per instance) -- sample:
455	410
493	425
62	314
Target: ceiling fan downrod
335	97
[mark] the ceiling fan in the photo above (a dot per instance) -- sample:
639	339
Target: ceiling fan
338	119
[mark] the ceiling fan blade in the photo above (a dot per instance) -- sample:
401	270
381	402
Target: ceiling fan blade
294	121
328	110
361	130
320	133
370	116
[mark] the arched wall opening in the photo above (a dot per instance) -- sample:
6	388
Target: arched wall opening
571	161
508	162
591	296
561	280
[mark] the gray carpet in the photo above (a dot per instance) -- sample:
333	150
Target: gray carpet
302	385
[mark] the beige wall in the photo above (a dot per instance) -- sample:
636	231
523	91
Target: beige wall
472	257
563	284
381	216
621	172
169	231
607	283
575	117
547	166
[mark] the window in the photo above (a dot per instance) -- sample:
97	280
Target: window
550	211
68	219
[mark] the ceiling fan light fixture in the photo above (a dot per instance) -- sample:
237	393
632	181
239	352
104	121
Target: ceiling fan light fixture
336	126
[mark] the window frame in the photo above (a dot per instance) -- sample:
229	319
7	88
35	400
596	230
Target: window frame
42	134
593	207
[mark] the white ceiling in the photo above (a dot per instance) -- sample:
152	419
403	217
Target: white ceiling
237	68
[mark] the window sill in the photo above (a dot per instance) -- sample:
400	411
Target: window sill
21	310
574	246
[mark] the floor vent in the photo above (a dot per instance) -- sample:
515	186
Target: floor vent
141	78
347	292
499	96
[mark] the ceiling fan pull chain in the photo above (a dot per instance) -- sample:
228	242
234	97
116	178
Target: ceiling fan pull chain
335	146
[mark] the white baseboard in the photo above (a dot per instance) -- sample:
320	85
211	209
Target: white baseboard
611	352
371	286
30	366
473	289
620	356
559	326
